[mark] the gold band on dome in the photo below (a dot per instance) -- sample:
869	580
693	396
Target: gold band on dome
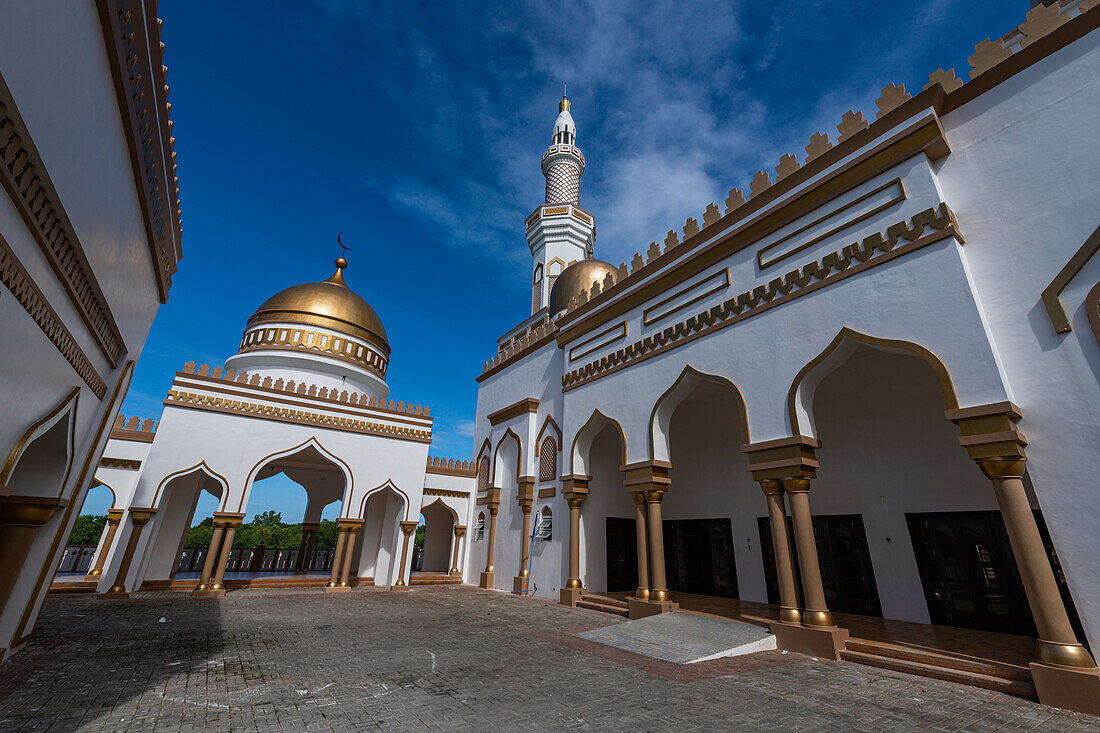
324	344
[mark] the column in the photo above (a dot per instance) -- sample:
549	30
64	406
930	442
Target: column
575	490
492	503
139	518
211	557
815	613
337	558
1065	675
459	532
21	517
223	556
640	521
310	546
407	528
114	517
299	566
526	497
349	553
655	530
781	547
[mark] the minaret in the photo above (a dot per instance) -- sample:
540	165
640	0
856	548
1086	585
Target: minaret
559	231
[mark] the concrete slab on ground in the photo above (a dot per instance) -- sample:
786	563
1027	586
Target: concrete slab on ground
684	638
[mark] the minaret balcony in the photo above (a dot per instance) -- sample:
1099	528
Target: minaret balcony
572	211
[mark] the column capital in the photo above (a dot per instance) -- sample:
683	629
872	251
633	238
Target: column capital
646	476
638	497
141	515
459	530
653	497
229	519
349	524
311	526
783	458
795	485
114	516
990	431
575	483
525	490
771	486
407	528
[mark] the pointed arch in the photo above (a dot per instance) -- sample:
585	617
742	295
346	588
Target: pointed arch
201	467
661	417
114	494
387	484
496	453
582	441
548	425
800	395
444	504
33	459
311	442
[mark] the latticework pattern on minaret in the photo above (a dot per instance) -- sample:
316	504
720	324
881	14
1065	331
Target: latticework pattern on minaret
563	184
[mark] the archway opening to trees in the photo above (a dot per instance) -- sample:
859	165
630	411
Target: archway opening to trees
379	549
91	535
439	522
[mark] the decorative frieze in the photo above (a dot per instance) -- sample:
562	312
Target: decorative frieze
128	463
832	267
447	493
16	279
450	467
297	339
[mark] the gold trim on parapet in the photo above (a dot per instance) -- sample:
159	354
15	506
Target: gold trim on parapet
1055	311
947	387
298	417
832	268
129	463
33	194
449	467
16	278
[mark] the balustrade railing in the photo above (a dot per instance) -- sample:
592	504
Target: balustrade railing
76	559
258	560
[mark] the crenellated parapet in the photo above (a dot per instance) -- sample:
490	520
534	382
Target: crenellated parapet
135	428
450	467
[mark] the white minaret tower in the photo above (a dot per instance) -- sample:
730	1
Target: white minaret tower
559	231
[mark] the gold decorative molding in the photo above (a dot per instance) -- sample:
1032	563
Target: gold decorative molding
32	193
130	35
254	382
67	405
129	463
524	406
282	338
229	406
447	493
134	429
990	431
1092	307
1057	314
16	279
891	200
833	267
783	458
599	341
536	339
450	467
662	309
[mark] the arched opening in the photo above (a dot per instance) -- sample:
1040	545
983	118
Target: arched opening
907	527
292	504
379	550
608	559
709	511
439	522
177	500
90	537
39	464
479	527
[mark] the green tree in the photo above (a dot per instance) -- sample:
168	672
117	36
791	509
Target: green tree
87	529
198	537
326	535
418	539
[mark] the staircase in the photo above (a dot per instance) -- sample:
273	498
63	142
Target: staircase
605	604
434	579
73	586
998	676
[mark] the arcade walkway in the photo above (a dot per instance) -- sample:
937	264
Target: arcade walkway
437	658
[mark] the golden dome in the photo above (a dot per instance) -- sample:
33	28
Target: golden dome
329	304
576	278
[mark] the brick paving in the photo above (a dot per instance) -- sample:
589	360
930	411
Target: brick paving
437	659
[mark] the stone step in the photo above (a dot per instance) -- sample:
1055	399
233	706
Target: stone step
938	659
948	674
605	600
440	579
591	605
73	586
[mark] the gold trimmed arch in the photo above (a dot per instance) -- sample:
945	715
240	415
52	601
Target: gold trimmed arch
308	443
445	505
65	410
943	377
202	467
597	418
547	424
496	452
114	494
665	406
387	484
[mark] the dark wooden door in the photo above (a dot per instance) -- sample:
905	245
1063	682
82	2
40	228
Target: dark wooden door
622	554
846	570
969	573
699	557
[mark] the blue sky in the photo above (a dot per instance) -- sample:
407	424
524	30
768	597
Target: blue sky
417	129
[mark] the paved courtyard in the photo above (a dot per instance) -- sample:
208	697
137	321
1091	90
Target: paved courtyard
437	659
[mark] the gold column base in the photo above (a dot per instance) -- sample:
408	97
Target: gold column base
659	595
337	589
818	619
487	579
1071	688
345	584
788	615
208	593
641	609
570	596
816	641
454	571
642	594
1064	655
574	583
520	584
